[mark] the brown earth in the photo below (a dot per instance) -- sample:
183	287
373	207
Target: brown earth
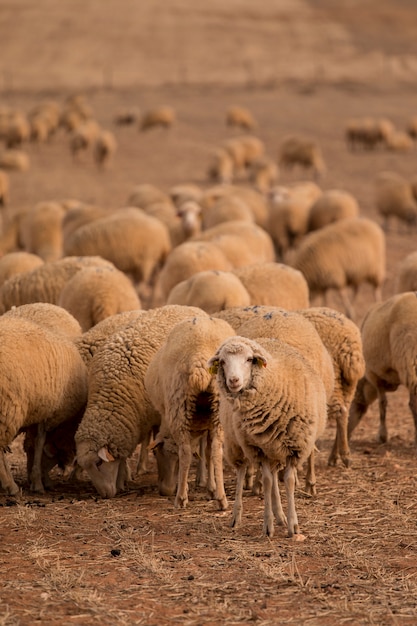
70	557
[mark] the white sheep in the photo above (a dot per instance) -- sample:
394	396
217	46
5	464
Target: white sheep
184	393
17	262
119	413
95	293
342	338
406	276
4	188
210	290
221	167
46	384
274	284
394	199
240	117
256	201
41	230
389	339
182	222
273	410
330	206
145	194
162	116
347	253
304	152
227	208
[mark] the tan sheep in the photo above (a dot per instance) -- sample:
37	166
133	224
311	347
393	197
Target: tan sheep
256	201
221	168
41	230
330	206
399	141
14	160
182	192
394	199
83	137
104	148
227	208
263	173
4	188
406	277
145	194
304	152
162	117
240	117
18	262
18	130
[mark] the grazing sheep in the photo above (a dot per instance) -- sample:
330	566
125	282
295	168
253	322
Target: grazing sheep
119	413
389	339
257	203
288	216
253	149
406	278
185	260
368	133
221	168
145	194
104	147
136	243
43	283
263	173
46	384
342	338
302	151
240	117
330	206
210	290
344	254
235	149
18	131
182	222
273	410
163	117
394	199
184	393
274	284
41	230
14	160
78	214
18	262
83	137
4	188
95	293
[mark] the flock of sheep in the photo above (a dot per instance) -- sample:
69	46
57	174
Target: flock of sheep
198	320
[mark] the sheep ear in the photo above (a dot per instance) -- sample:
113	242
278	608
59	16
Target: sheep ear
105	455
213	365
259	360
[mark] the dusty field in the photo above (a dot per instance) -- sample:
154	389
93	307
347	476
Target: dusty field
70	557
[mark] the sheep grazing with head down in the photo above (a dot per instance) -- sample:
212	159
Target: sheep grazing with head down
394	199
240	117
104	147
347	253
304	152
184	393
389	338
162	117
273	410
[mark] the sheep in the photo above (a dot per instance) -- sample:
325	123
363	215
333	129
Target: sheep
240	117
41	230
236	316
145	194
344	254
342	338
330	206
51	316
78	214
242	242
274	284
210	290
163	117
18	262
184	393
288	215
367	132
18	130
43	283
185	260
182	222
4	188
183	192
119	414
226	209
46	384
253	149
411	127
221	168
303	151
257	203
394	198
83	137
104	147
399	141
14	160
389	342
95	293
263	173
406	277
272	409
136	243
235	149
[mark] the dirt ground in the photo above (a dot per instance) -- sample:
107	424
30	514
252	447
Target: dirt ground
72	558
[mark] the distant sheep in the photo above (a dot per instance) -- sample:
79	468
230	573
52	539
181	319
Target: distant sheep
347	253
145	194
389	338
163	117
268	390
240	117
330	206
406	277
127	117
4	188
17	262
394	199
256	201
263	173
399	141
95	293
227	208
367	132
14	160
210	290
41	230
304	152
183	192
83	137
221	168
104	147
183	391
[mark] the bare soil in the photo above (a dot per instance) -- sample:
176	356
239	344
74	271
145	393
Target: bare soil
70	557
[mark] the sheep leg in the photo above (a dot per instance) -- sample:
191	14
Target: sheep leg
267	481
347	304
289	482
382	401
6	478
310	484
211	479
201	477
276	501
341	443
238	506
35	477
184	464
413	408
217	462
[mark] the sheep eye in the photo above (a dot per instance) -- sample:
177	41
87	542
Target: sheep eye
250	359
